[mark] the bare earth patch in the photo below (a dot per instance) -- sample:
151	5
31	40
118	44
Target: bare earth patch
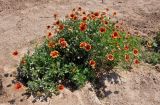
23	23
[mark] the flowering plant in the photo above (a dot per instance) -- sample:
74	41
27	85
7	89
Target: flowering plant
75	48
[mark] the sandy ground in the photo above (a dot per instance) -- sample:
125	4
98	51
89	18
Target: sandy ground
23	22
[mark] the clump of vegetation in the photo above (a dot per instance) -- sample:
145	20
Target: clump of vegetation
152	50
75	49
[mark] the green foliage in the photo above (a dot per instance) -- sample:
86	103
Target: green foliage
75	49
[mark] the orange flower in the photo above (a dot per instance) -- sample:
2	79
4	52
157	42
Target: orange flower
135	52
88	47
84	18
51	44
15	53
82	44
61	87
61	26
126	47
114	13
115	35
127	57
92	63
96	14
54	54
64	44
57	22
83	26
105	22
72	15
49	35
136	61
60	40
102	30
75	17
18	85
110	57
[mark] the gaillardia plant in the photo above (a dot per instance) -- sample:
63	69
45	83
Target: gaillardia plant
74	49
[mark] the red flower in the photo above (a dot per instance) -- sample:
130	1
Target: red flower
51	44
102	30
61	87
83	26
64	44
82	44
18	85
60	40
136	61
15	53
105	22
54	54
115	35
96	14
72	15
49	35
92	63
57	22
110	57
88	47
84	18
127	57
61	26
135	52
126	47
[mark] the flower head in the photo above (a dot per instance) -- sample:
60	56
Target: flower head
61	40
135	52
61	26
54	54
136	61
102	30
92	63
84	18
51	44
110	57
15	53
61	87
88	47
64	44
115	35
49	35
96	14
127	57
83	26
82	44
126	47
18	85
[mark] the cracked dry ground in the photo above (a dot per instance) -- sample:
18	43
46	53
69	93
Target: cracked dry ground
23	22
